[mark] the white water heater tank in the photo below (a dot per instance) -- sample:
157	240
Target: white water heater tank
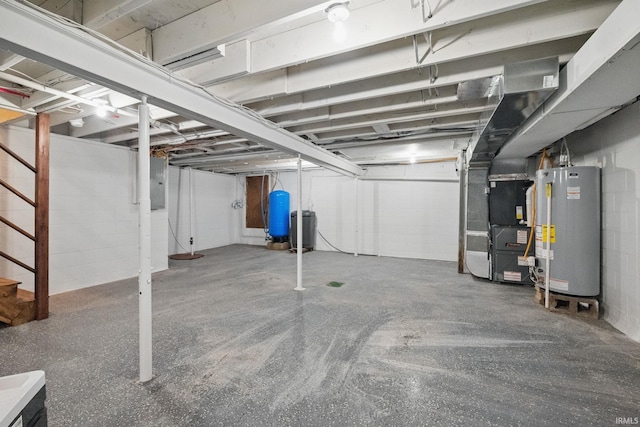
574	267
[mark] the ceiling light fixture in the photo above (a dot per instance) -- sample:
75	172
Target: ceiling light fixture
338	12
77	123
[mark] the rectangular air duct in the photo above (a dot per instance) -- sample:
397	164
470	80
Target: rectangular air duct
522	88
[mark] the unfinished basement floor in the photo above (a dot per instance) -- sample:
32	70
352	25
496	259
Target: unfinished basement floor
402	343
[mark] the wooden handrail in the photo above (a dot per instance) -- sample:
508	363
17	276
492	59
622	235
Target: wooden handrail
17	157
17	261
18	229
17	193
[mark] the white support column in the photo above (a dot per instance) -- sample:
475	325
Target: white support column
299	228
191	210
144	238
355	220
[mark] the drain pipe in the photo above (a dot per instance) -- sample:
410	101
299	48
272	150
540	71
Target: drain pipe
548	254
299	228
355	220
144	239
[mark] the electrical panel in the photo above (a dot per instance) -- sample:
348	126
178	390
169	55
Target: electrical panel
158	175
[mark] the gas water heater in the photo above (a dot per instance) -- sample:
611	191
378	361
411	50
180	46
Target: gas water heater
570	231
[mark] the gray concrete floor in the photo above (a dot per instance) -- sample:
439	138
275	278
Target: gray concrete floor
403	342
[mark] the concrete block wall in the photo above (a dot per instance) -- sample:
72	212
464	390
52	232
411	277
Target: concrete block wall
93	232
215	223
614	145
414	217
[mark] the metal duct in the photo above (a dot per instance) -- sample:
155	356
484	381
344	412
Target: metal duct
522	88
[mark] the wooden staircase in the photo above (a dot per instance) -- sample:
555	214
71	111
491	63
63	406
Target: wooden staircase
17	306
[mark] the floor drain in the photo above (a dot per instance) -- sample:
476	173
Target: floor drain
335	284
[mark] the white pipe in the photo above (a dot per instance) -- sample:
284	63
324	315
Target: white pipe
191	210
408	178
355	220
299	228
548	254
529	202
144	238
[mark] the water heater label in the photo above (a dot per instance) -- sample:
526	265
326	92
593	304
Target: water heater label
561	285
513	276
573	193
541	252
544	233
519	213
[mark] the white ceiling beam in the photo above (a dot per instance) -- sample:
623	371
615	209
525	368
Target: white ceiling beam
138	42
373	24
386	119
366	83
8	60
70	9
273	85
225	21
491	35
99	13
461	122
71	50
41	97
94	125
390	104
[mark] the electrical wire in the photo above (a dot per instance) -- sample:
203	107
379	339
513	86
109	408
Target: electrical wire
174	236
330	244
337	249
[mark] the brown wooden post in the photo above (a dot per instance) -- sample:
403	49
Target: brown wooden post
42	216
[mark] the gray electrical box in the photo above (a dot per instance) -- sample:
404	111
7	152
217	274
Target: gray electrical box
158	172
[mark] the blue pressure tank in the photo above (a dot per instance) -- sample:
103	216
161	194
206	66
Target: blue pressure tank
279	214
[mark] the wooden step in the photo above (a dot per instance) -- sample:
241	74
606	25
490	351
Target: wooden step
17	306
8	287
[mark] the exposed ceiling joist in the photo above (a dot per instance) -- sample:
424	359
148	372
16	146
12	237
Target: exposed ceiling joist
73	51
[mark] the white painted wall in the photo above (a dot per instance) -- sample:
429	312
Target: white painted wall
415	218
614	145
215	223
93	233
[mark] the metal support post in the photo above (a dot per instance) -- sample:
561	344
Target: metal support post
299	228
144	238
